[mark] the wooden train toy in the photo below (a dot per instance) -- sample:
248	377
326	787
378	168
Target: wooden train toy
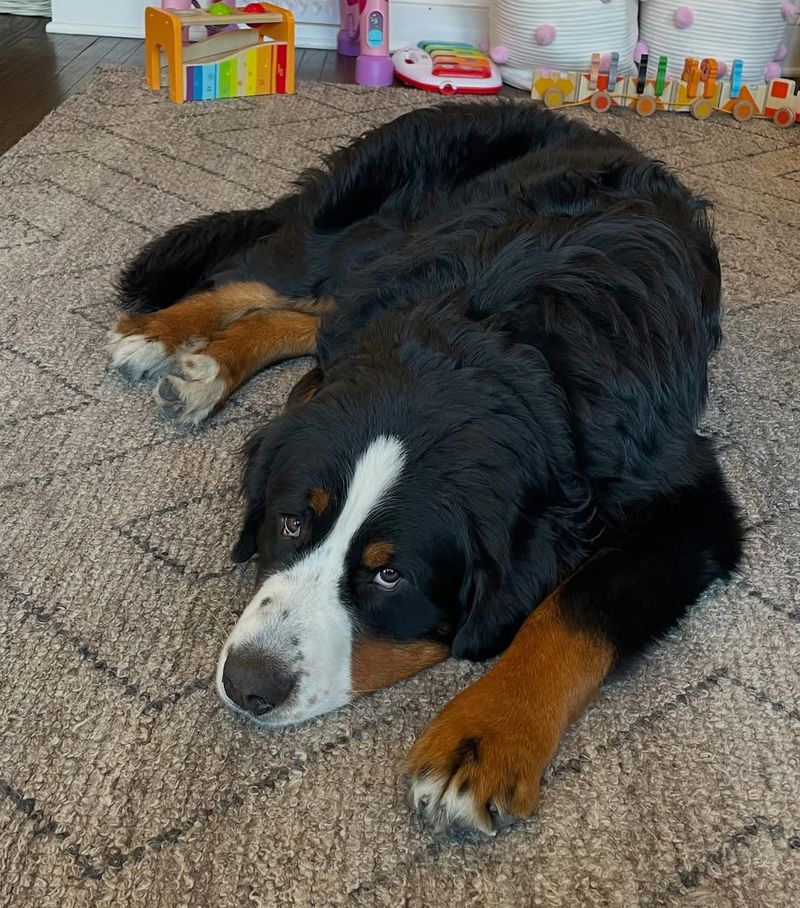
230	64
699	90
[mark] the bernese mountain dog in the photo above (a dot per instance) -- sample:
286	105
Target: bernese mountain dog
497	450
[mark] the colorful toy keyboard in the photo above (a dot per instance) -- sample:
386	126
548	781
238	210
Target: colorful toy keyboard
460	60
448	68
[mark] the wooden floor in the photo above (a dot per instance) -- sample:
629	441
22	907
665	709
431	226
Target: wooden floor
37	70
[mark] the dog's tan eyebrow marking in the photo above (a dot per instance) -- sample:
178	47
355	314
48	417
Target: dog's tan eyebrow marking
377	554
318	499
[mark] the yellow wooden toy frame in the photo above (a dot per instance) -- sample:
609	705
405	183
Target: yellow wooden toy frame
163	32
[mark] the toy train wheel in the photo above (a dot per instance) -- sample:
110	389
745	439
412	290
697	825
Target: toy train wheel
553	98
646	105
743	111
783	117
600	101
702	108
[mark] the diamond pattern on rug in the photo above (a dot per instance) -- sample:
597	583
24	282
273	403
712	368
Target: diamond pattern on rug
123	782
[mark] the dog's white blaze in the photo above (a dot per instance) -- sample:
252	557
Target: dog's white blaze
303	601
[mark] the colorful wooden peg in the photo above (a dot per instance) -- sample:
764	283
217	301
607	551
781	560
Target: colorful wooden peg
594	70
691	76
708	72
613	69
661	76
641	78
736	78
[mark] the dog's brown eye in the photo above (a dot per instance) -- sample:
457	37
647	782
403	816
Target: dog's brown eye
291	526
387	578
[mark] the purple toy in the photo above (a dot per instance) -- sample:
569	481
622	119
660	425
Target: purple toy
347	39
374	65
179	4
365	34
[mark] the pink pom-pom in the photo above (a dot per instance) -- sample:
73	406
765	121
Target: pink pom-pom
545	34
641	48
771	71
789	10
780	53
684	17
722	68
499	54
483	44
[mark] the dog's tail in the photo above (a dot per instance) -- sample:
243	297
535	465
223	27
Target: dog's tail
181	260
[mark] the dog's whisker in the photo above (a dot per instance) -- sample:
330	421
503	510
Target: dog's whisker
214	618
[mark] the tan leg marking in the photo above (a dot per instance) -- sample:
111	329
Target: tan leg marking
381	663
146	345
487	750
203	381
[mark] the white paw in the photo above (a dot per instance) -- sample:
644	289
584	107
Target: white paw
444	805
193	391
136	356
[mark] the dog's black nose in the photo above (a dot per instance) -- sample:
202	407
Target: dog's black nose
257	682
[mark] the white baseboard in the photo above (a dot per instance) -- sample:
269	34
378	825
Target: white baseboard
57	27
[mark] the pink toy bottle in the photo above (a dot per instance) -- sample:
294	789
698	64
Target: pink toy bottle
179	4
347	39
374	65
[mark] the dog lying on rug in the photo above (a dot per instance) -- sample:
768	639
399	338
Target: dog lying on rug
512	317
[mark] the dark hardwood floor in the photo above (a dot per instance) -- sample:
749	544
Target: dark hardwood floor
37	70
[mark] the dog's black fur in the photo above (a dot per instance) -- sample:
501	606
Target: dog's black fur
530	306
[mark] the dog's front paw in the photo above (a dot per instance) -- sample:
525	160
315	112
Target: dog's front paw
192	391
481	761
137	356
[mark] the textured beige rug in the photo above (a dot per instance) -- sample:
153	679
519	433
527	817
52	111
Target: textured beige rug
122	782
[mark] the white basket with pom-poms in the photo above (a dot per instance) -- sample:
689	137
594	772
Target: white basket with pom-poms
525	34
753	31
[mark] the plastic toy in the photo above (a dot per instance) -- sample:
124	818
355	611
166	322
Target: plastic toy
373	64
347	39
179	4
223	11
448	68
364	34
216	9
699	90
234	63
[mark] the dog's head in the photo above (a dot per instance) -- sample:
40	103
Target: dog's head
398	516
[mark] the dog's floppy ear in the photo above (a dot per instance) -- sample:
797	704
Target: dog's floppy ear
305	389
488	620
260	452
503	586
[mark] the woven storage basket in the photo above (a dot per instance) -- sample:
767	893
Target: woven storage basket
582	27
748	30
25	7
